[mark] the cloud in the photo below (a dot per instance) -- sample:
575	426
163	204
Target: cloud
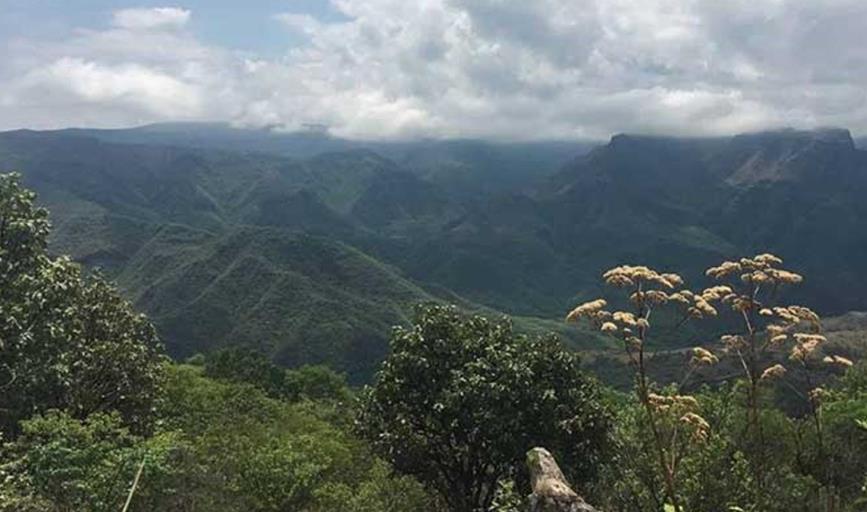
148	19
468	68
303	23
133	84
75	92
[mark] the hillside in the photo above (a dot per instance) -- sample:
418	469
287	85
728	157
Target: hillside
313	253
224	248
463	167
300	298
670	203
176	228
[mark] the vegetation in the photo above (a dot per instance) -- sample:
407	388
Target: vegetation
239	364
460	398
670	419
66	340
309	248
94	416
727	448
88	399
219	447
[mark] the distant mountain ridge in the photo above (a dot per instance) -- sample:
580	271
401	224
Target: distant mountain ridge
463	166
674	203
226	247
314	256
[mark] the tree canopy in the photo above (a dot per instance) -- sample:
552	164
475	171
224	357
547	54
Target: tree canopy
461	399
67	340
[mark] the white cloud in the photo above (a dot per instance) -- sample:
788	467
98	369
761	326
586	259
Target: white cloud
155	18
474	68
303	23
129	83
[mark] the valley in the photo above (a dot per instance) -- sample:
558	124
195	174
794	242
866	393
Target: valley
309	248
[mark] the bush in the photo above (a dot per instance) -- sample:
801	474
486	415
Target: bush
461	399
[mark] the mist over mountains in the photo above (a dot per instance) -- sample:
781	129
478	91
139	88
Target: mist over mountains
310	247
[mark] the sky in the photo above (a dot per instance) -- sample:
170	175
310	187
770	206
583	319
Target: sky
398	69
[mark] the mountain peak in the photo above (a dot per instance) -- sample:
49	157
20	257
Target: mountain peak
830	135
834	136
690	164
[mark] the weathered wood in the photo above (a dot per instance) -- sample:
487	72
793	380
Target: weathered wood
551	491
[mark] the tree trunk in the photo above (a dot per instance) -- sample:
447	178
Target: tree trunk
551	491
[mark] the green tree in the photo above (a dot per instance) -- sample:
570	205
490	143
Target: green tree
67	341
242	364
380	491
266	455
461	399
61	464
845	419
316	382
308	382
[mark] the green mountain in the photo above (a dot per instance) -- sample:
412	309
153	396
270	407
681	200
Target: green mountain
462	166
674	204
299	297
223	247
311	247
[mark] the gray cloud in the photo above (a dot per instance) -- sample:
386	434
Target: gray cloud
479	68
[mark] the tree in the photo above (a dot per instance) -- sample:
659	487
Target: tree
242	364
310	382
461	399
61	464
316	382
67	341
268	455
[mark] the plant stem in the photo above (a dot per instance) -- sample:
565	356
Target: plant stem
134	484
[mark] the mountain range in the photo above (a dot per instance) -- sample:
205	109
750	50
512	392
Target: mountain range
310	247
